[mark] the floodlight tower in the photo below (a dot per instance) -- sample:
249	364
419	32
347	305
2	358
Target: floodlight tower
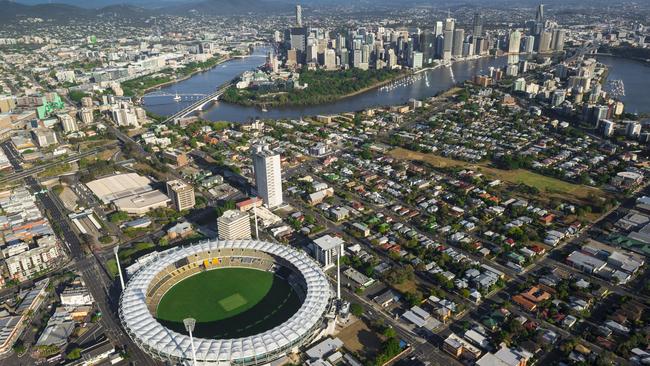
338	274
257	234
189	327
119	268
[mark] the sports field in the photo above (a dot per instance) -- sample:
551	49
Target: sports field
228	303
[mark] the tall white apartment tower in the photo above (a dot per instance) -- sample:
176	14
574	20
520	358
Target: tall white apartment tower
268	175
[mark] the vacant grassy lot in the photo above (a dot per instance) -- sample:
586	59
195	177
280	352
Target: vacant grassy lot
228	302
360	340
548	186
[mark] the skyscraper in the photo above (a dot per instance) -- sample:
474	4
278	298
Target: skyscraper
438	30
539	16
268	175
450	24
459	37
539	20
477	25
234	225
447	45
181	194
298	16
428	46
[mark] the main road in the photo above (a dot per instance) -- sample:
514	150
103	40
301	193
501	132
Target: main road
97	282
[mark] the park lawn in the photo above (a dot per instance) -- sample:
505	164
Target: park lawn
548	186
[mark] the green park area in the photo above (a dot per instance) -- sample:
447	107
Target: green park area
322	87
548	186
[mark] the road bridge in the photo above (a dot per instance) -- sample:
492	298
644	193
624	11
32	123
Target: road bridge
200	104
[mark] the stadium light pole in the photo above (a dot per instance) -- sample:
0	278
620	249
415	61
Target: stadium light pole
257	234
338	274
119	268
189	327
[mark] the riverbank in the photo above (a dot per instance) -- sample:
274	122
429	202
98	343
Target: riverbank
185	77
141	92
431	81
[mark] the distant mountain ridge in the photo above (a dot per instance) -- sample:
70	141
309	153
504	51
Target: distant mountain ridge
98	4
12	11
62	10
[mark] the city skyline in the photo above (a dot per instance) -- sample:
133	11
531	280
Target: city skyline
324	183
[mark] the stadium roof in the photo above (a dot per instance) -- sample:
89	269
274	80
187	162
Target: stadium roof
149	334
111	188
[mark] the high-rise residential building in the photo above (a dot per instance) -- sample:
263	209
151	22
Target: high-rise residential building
459	38
268	175
68	123
234	225
86	115
544	42
391	59
529	44
87	102
514	41
312	53
558	97
519	85
124	115
298	16
558	39
181	194
329	59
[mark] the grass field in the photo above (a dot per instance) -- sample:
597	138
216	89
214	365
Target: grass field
228	303
548	186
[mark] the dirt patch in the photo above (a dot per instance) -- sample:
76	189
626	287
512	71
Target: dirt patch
358	339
